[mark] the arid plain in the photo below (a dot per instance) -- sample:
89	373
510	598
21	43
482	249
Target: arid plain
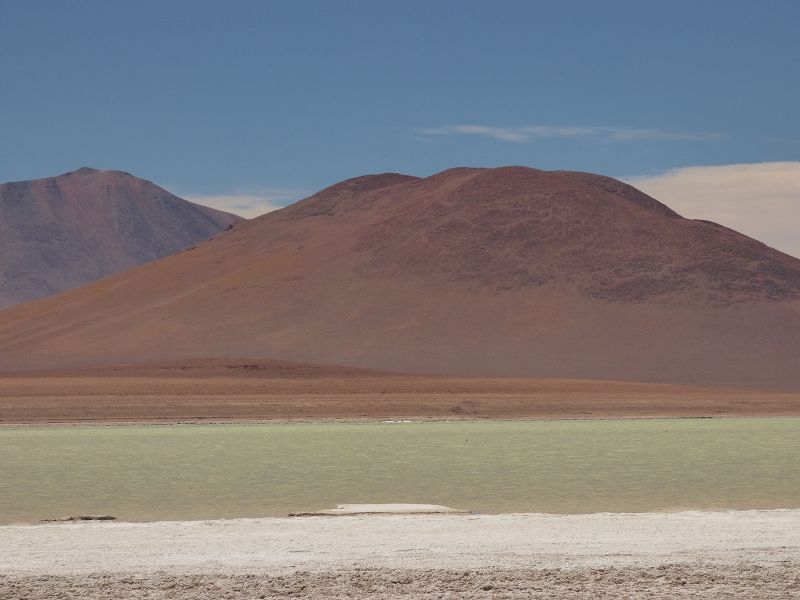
253	390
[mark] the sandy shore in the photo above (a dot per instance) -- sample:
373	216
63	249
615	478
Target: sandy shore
746	554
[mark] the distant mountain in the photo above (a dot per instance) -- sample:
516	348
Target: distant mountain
62	232
508	271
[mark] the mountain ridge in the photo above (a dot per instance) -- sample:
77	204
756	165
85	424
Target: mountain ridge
491	272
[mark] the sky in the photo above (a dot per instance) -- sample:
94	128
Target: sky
251	105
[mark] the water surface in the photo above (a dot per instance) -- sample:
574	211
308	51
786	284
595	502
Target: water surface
223	471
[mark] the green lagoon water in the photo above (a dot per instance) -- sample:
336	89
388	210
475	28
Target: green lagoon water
224	471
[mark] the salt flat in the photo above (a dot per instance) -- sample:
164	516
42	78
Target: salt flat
730	551
281	545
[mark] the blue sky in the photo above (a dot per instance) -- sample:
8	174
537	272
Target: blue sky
273	99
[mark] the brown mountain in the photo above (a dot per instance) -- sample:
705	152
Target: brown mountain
62	232
509	271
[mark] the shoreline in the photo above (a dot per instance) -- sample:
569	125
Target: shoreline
314	543
533	555
372	420
100	519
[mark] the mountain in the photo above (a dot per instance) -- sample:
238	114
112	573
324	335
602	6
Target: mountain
503	272
62	232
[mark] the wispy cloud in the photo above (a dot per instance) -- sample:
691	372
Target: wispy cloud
248	204
761	200
532	132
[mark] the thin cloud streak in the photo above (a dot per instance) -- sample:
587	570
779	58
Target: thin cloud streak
761	200
532	132
248	205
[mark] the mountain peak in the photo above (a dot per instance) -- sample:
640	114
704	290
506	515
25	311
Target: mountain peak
82	172
85	171
92	172
64	231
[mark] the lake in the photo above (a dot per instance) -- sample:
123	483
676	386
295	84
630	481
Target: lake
223	471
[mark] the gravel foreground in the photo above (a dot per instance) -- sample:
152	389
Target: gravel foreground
733	554
666	581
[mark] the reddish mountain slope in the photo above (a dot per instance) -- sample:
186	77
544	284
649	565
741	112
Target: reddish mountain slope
509	271
62	232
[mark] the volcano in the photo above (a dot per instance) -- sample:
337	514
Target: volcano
62	232
510	271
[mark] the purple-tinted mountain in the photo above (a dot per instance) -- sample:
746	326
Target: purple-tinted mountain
62	232
489	272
